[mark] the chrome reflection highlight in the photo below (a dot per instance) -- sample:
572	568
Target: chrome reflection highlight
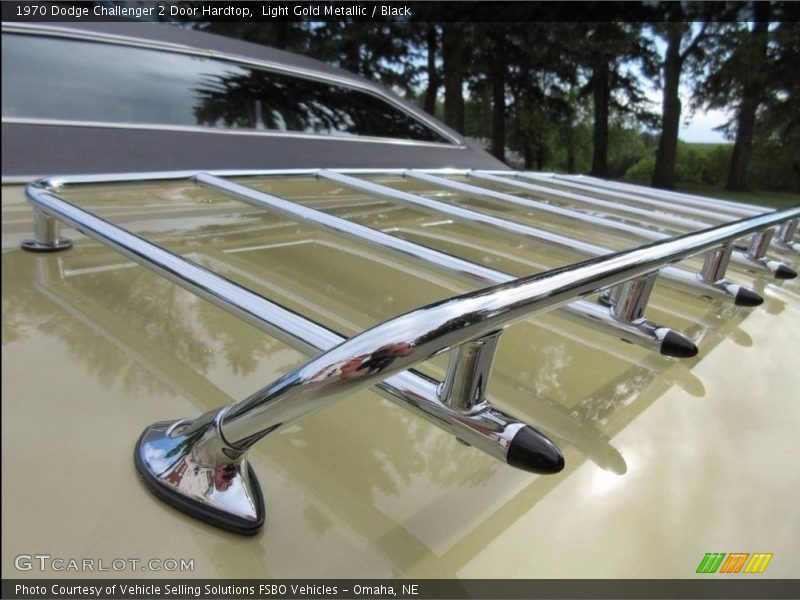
175	464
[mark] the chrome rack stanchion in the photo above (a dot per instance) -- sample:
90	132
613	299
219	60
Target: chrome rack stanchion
759	243
757	253
627	302
786	235
671	275
643	333
715	264
630	298
464	386
46	235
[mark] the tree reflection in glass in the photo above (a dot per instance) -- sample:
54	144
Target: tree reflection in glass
263	100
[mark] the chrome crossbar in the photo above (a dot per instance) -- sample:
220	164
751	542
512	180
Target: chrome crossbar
672	275
665	218
785	239
541	207
602	318
747	258
724	210
654	198
786	235
688	200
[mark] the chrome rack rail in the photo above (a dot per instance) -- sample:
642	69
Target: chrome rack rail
200	465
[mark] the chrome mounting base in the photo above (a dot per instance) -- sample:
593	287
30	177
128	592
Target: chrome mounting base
54	246
173	461
46	235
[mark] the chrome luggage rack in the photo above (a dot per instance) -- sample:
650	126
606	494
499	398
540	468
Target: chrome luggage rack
200	465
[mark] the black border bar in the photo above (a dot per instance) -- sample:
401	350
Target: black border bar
372	11
709	586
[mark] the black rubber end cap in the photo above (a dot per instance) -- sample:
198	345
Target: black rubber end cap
533	452
678	345
784	272
204	513
745	297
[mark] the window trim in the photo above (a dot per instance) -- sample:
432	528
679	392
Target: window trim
222	131
299	72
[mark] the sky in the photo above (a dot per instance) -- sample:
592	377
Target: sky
701	128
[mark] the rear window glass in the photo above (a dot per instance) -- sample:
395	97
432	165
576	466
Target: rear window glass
50	78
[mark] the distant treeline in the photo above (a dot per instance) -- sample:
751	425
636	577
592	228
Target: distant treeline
573	96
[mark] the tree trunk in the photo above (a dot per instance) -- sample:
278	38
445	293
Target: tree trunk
541	156
528	156
666	156
282	35
601	99
752	94
352	59
567	139
745	124
570	145
498	75
433	74
453	76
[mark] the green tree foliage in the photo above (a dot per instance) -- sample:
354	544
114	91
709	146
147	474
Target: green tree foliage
613	54
695	164
753	72
777	135
543	85
381	52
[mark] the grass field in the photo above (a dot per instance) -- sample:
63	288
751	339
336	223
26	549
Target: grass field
773	199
